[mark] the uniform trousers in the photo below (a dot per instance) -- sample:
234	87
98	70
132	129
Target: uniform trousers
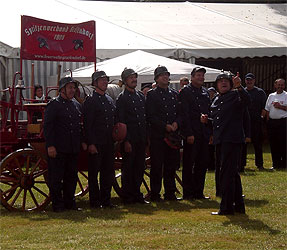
103	163
256	140
277	139
132	171
195	162
230	181
62	180
164	161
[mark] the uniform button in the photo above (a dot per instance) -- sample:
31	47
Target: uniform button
197	97
71	124
198	105
106	118
71	131
217	126
172	98
166	113
105	110
174	106
163	98
135	108
221	102
217	117
174	113
70	116
165	106
139	123
218	108
103	103
67	108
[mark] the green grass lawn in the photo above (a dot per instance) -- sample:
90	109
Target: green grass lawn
166	225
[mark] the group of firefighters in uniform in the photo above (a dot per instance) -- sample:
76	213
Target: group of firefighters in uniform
149	121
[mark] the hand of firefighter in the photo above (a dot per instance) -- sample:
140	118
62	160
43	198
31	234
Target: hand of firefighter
204	118
210	140
128	147
92	149
236	80
190	139
168	128
52	152
174	126
84	146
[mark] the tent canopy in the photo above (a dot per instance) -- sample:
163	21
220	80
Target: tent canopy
178	30
144	64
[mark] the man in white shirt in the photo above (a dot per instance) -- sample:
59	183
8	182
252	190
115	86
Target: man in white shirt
276	107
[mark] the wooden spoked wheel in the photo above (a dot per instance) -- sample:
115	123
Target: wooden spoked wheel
23	181
82	184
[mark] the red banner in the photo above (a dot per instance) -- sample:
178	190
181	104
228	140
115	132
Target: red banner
51	41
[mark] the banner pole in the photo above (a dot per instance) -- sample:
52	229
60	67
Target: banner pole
95	60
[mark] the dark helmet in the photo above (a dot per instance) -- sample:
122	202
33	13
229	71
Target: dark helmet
65	80
223	75
160	70
98	74
127	72
198	69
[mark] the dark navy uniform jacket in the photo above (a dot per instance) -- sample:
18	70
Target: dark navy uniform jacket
258	100
130	109
227	112
99	116
194	102
161	109
62	125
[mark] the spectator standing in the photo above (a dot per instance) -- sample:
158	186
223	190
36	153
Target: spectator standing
256	112
276	107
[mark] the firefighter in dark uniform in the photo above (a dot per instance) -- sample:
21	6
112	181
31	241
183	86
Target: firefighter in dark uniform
62	131
226	112
130	110
162	118
195	101
99	112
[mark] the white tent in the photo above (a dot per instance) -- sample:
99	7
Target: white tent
178	30
144	64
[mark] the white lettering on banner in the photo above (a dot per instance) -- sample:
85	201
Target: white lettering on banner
37	28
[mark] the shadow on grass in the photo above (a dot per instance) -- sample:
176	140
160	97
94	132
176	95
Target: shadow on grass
113	213
255	203
246	223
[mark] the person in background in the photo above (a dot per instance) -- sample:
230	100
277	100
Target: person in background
256	112
62	132
38	93
130	110
276	107
183	81
99	116
163	118
145	87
